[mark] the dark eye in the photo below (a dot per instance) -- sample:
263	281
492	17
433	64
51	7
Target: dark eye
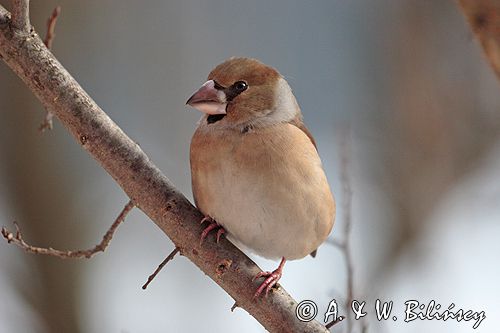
240	86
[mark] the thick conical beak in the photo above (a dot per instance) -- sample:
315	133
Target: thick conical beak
208	99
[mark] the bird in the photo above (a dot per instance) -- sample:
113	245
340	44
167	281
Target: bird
255	170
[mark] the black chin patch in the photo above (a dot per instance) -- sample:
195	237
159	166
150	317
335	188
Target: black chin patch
213	118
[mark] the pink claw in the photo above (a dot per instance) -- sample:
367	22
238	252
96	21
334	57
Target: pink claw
271	280
206	219
213	225
220	232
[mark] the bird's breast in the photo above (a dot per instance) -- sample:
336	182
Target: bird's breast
266	187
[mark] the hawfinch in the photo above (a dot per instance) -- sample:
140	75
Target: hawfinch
256	173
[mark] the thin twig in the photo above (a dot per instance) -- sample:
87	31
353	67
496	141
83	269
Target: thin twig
49	39
18	240
51	26
334	322
345	244
339	244
47	123
235	305
163	263
20	15
345	155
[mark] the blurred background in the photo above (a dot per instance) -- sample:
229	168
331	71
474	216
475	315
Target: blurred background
407	77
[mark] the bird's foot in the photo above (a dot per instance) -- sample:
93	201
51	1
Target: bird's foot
212	226
271	280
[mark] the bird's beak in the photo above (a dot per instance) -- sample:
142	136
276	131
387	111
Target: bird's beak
208	99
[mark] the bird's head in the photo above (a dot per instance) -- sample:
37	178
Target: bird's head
245	92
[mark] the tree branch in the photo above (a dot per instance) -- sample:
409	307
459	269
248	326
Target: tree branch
345	154
51	27
21	15
143	182
19	241
345	245
160	267
484	18
49	39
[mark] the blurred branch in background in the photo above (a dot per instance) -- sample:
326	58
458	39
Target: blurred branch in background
345	244
484	19
436	130
25	53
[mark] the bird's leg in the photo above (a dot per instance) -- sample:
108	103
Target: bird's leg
271	279
212	225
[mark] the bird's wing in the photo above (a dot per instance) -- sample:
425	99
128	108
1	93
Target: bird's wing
299	123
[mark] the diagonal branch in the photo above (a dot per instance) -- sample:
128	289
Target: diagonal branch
143	182
18	240
160	267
